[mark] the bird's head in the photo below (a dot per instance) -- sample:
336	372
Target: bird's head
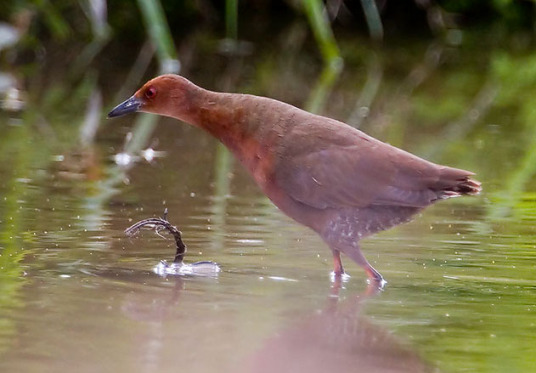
168	95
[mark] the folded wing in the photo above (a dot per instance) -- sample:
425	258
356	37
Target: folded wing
357	171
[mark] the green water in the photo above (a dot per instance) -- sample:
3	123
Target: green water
75	293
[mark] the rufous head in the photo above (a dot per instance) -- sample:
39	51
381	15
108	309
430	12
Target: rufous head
168	95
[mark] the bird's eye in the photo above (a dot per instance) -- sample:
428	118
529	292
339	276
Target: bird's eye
150	92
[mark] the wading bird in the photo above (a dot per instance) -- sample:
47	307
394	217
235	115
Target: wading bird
325	174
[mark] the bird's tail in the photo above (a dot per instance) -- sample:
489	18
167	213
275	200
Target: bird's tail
461	186
470	186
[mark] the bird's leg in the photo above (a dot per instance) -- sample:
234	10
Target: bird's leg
358	257
338	270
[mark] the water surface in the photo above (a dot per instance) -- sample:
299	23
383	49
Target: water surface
75	293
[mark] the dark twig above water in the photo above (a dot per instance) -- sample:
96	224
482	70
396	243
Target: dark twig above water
159	224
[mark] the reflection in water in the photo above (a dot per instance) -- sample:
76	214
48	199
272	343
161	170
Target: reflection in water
150	313
136	305
337	339
223	164
368	92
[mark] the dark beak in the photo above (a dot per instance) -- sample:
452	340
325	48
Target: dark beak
131	105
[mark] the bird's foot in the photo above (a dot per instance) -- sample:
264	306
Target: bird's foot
339	277
376	283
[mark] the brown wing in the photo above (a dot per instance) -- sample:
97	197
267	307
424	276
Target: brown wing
343	167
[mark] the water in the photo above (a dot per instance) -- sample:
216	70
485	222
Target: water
76	293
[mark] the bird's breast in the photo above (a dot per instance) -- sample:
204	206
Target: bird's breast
258	160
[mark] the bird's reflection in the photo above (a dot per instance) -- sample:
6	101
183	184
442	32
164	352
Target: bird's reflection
337	339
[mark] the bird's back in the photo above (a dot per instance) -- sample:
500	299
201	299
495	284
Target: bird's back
325	163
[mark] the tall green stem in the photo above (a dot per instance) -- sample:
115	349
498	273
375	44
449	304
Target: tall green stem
160	35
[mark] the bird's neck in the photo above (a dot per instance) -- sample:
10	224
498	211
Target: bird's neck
245	124
228	117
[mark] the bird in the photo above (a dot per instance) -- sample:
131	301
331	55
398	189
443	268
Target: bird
327	175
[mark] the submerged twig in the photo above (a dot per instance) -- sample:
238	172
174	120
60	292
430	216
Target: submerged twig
159	224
